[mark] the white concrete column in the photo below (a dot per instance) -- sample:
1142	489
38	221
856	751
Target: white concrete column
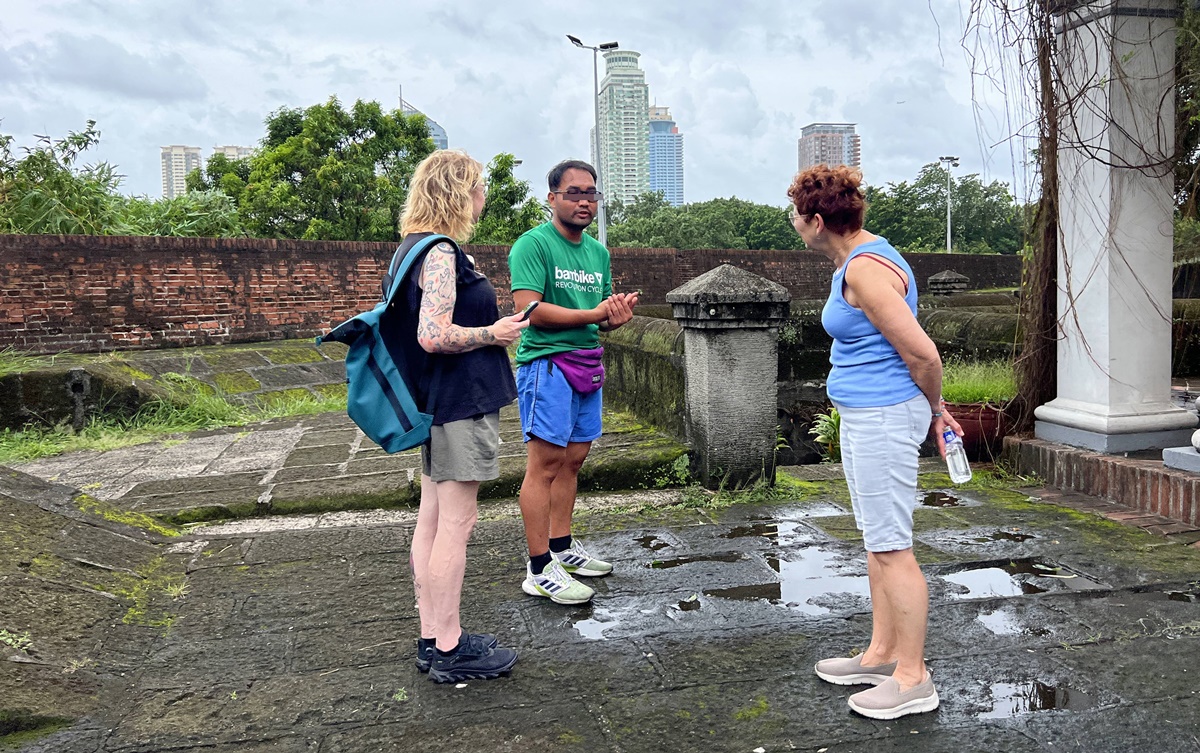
1117	126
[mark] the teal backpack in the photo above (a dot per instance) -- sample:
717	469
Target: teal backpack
377	397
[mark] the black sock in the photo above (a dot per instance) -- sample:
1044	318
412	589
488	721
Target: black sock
539	562
560	544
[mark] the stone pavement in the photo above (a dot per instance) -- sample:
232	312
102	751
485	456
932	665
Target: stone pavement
1050	630
318	463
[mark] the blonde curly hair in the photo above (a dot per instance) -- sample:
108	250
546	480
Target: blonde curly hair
439	195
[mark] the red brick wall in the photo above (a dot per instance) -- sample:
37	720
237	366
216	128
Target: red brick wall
91	293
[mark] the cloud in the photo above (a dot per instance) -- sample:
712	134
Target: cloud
100	65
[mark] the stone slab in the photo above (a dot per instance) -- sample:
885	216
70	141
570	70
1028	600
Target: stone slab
1112	443
1183	458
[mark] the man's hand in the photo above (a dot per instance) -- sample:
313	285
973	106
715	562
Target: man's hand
620	308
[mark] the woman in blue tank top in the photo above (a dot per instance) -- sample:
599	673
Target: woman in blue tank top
886	382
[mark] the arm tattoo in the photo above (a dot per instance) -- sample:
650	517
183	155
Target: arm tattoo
437	307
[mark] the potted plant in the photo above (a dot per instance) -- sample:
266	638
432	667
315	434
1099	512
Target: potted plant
976	393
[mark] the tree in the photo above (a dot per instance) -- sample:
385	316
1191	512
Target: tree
912	216
325	173
47	192
719	223
510	208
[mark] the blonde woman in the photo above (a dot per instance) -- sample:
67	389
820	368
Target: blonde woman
448	325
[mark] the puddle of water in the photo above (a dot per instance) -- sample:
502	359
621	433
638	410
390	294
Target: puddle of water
812	573
676	562
775	531
690	604
1013	699
593	627
1004	622
1192	596
653	543
1017	579
1006	536
940	499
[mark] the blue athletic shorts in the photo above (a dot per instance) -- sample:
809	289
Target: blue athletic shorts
551	409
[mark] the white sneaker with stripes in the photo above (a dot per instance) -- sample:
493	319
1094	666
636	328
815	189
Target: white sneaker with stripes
556	585
577	561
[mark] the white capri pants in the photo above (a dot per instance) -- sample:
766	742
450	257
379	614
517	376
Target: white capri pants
879	457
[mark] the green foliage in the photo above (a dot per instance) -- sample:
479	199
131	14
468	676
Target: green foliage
1187	241
325	173
47	191
650	222
986	219
204	214
827	432
510	208
1187	113
978	382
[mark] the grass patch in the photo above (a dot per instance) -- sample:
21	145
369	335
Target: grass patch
13	361
191	406
978	382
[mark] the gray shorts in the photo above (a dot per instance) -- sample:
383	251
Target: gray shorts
465	450
879	457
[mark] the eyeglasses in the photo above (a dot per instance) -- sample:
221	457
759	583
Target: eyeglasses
796	215
575	195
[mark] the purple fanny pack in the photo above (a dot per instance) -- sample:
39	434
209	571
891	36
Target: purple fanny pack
584	369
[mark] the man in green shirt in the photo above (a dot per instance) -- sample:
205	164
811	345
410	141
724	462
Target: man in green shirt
559	374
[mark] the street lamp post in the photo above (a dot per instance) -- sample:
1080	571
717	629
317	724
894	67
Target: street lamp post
602	217
949	162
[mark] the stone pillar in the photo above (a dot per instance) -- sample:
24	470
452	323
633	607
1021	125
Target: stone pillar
1117	62
730	319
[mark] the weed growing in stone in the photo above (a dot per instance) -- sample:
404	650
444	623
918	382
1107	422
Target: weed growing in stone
20	641
74	665
400	696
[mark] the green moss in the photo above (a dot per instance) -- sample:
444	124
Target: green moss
45	565
109	511
133	371
331	391
569	737
753	711
235	382
292	354
19	727
152	580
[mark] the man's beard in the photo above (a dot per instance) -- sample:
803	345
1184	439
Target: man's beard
575	224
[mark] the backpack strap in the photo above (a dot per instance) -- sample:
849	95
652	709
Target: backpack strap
416	252
418	249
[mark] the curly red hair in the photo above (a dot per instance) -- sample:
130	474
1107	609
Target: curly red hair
834	193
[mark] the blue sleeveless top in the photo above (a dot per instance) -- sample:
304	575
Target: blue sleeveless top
867	371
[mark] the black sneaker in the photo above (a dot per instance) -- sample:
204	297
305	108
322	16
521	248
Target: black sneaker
426	647
472	660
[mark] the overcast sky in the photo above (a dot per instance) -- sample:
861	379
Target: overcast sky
741	78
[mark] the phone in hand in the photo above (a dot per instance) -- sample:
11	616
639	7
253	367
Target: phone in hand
525	312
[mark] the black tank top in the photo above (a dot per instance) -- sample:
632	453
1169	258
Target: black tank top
468	384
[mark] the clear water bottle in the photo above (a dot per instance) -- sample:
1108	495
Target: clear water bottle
956	457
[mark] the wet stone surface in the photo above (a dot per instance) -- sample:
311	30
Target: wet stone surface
1048	631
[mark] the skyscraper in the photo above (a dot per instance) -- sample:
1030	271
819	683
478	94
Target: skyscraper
829	143
233	151
177	162
624	138
666	156
436	132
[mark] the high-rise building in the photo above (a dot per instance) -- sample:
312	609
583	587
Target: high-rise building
666	156
830	144
624	138
177	162
234	152
436	132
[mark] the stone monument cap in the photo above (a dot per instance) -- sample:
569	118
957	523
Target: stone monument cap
729	284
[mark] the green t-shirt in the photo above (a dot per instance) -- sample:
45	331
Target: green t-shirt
571	275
